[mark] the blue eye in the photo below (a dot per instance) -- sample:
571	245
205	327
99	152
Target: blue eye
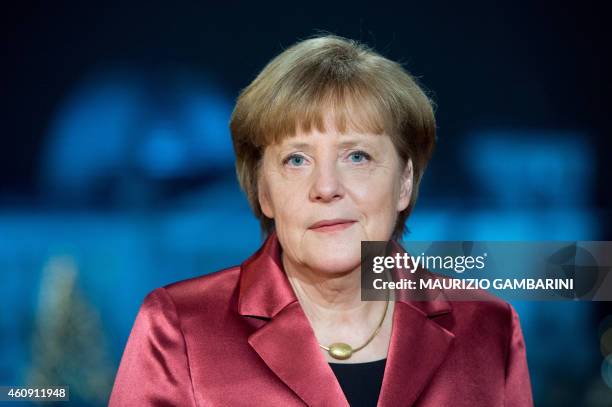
295	160
359	157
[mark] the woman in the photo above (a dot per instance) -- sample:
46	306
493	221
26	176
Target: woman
331	141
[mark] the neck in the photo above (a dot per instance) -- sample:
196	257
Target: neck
329	297
332	303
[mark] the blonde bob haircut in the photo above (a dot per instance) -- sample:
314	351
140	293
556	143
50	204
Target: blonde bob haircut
363	92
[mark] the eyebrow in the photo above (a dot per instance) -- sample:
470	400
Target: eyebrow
354	142
351	142
300	145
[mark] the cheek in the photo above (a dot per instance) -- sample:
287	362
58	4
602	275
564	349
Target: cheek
290	223
288	200
376	198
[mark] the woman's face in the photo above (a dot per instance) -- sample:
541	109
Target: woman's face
329	191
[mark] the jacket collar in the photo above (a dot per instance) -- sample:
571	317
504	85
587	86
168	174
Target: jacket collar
287	343
264	287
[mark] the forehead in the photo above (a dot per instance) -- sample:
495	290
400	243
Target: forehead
333	130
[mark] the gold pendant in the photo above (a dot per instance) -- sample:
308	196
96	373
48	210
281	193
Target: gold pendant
340	351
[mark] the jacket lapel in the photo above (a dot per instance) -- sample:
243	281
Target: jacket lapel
417	348
418	344
286	343
288	346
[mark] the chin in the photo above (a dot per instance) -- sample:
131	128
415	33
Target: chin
337	255
335	264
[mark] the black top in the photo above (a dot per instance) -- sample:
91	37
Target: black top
361	382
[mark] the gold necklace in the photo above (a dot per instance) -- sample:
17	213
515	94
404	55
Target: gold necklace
343	351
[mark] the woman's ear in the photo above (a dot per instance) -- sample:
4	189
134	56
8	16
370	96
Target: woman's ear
263	195
405	187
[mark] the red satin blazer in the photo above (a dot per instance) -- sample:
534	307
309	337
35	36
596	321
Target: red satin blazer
239	337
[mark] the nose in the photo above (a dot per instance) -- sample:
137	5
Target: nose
326	184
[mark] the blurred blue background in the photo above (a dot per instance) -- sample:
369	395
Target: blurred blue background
116	166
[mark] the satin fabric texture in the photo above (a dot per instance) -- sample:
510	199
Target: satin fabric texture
239	337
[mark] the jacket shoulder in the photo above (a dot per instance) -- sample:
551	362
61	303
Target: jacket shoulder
204	291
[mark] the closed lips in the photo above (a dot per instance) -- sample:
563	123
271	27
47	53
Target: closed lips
331	222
